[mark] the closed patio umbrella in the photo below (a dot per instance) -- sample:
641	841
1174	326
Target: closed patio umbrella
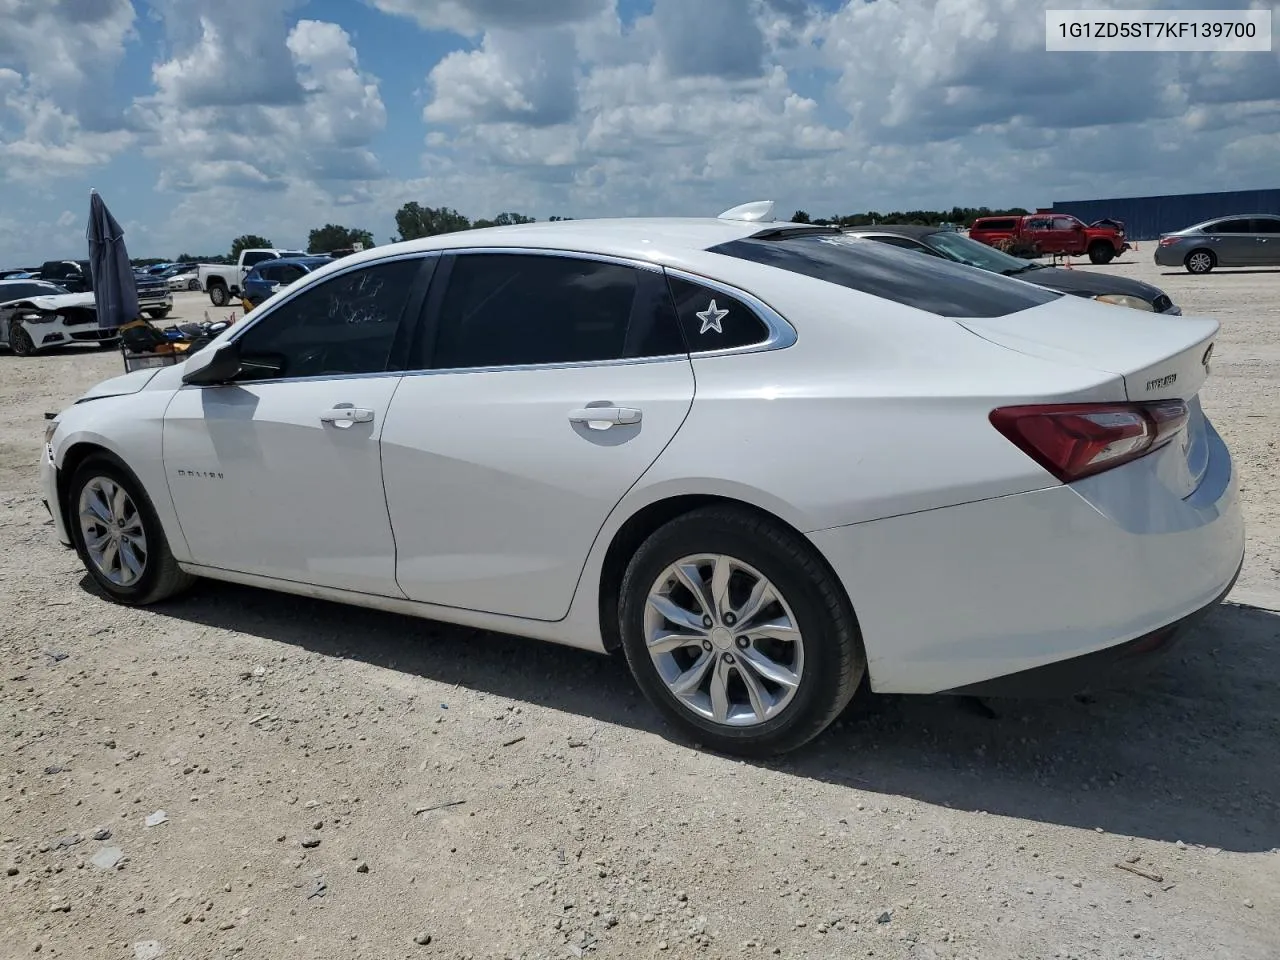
114	291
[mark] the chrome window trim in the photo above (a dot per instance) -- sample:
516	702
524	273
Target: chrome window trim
781	334
558	252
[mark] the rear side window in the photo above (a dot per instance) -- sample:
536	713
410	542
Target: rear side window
503	310
926	283
1230	226
251	258
995	224
713	320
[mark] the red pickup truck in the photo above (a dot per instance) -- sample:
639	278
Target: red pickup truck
1043	234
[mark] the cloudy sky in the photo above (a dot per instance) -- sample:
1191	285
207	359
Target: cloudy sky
199	120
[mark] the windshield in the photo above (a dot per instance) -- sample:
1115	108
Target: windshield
977	254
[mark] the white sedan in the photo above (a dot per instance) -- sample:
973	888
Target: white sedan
37	315
187	280
764	460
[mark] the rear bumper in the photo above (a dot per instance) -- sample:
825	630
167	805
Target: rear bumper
1168	256
947	599
1110	667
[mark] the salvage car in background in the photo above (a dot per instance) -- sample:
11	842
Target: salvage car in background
36	315
763	459
222	281
1248	240
181	278
153	293
1104	287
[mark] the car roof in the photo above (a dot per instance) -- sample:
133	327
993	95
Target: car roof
304	261
654	239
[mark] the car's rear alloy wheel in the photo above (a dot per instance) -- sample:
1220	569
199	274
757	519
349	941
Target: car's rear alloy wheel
723	640
193	285
1200	261
747	643
118	536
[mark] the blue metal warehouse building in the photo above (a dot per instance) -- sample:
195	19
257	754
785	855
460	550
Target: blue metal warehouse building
1145	218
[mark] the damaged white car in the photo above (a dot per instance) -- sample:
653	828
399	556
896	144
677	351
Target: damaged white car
36	315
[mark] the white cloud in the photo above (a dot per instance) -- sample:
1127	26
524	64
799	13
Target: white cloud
521	77
475	16
56	65
265	142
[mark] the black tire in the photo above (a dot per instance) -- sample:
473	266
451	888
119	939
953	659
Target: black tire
219	295
20	341
193	285
834	661
1101	252
161	577
158	314
1200	261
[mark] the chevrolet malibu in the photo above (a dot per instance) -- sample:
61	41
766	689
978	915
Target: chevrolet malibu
763	460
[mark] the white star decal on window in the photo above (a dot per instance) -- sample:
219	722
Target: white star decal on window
711	318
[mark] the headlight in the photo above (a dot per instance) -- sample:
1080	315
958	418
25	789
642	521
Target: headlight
40	317
1121	300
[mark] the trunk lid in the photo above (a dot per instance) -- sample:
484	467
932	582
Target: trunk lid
1157	357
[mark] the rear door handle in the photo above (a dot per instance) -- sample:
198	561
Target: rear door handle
344	416
602	418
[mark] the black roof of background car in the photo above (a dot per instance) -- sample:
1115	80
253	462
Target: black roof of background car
913	230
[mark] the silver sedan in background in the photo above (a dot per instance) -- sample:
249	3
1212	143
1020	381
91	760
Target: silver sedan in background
1246	240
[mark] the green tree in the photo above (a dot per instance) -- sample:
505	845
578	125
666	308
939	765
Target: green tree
334	237
250	241
414	221
800	217
557	219
503	220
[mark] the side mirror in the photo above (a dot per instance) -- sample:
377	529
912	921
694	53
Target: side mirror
217	364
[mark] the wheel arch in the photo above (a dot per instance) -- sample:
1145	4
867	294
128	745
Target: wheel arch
645	521
77	453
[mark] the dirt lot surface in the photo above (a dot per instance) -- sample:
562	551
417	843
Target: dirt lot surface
337	783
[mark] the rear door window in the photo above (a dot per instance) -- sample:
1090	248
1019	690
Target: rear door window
927	283
1238	225
505	310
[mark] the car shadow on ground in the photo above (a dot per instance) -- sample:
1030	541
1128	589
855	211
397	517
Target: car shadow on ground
1189	752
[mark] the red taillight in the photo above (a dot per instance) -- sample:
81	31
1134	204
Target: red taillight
1077	440
1168	241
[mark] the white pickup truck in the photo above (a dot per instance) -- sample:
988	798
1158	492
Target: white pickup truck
222	281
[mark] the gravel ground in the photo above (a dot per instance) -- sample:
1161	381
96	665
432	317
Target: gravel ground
337	783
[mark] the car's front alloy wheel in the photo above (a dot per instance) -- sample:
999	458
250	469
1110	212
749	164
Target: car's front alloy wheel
738	632
20	341
1200	261
118	536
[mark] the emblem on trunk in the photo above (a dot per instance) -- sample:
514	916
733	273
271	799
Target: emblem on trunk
1160	382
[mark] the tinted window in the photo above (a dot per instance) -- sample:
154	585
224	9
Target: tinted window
265	272
903	242
289	272
345	324
1005	224
18	291
927	283
257	257
713	320
1230	226
1265	224
504	310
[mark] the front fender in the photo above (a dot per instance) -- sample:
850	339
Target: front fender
131	428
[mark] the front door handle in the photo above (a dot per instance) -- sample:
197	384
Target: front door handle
344	416
602	418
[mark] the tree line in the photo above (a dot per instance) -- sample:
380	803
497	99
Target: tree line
414	221
958	216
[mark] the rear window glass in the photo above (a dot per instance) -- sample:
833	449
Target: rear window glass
926	283
994	224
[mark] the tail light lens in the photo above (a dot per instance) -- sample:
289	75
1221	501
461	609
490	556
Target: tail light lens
1168	241
1073	441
